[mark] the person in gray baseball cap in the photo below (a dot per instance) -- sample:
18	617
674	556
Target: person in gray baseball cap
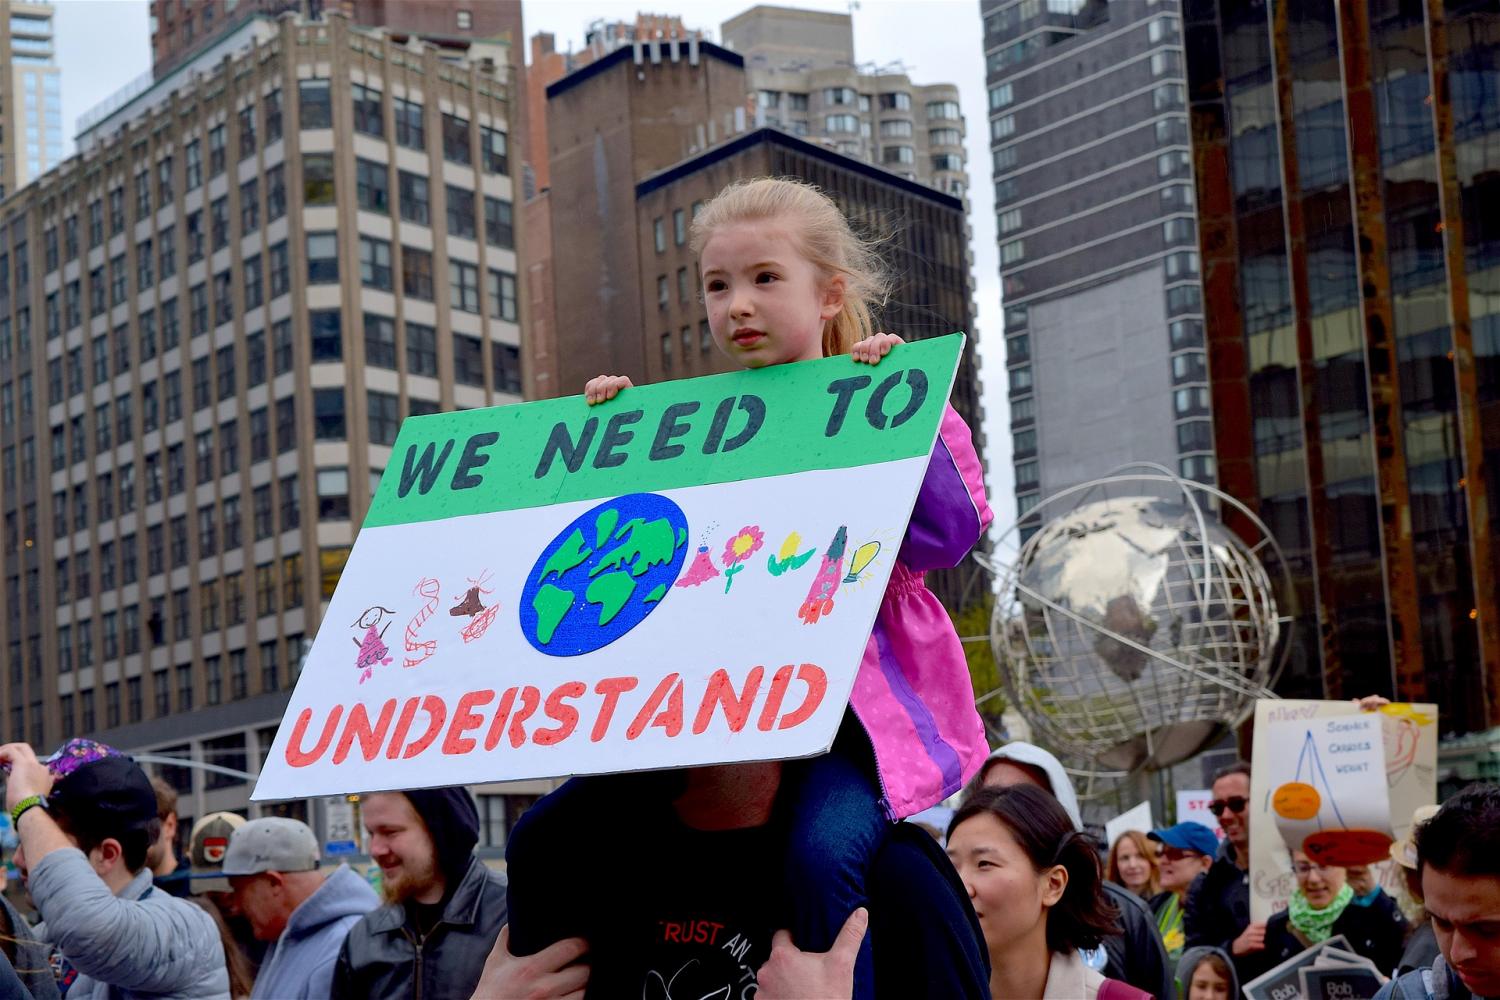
273	867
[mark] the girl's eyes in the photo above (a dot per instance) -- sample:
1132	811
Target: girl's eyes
716	285
764	277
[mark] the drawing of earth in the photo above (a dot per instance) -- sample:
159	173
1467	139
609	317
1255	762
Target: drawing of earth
603	574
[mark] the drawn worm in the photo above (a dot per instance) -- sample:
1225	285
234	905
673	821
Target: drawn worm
432	590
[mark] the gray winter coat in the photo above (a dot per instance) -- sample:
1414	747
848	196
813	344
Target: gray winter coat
1436	983
382	956
300	965
141	943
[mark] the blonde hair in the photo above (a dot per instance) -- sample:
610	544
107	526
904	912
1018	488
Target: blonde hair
823	236
1147	850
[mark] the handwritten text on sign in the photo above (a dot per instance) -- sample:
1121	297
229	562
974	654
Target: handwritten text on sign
685	575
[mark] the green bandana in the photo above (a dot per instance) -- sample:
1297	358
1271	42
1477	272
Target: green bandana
1316	925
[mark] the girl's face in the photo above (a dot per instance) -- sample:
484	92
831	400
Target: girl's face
767	304
1135	869
1208	983
1319	883
1010	897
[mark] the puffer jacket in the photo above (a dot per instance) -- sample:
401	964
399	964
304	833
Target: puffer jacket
300	964
382	956
913	693
141	943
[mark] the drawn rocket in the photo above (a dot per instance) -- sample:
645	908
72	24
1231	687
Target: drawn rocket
820	596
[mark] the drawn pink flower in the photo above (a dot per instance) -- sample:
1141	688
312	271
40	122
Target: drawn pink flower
743	545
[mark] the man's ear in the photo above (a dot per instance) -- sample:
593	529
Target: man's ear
108	856
833	297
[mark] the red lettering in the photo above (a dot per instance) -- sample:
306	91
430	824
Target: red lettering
772	708
611	688
358	728
672	932
530	696
438	713
403	725
565	714
465	719
502	712
817	687
720	691
295	755
652	704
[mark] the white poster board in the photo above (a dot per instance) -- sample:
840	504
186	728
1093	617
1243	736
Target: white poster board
1409	737
1192	807
1136	818
687	574
1328	788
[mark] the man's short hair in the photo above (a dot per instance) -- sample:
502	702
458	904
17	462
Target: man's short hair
166	798
1238	767
107	799
1464	837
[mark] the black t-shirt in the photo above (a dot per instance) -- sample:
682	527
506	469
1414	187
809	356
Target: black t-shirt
689	914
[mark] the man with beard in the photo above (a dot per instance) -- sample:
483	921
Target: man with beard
444	908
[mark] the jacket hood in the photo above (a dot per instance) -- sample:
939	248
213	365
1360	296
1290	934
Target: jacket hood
1189	961
453	821
342	894
1062	788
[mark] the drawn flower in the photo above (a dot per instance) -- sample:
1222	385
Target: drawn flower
743	545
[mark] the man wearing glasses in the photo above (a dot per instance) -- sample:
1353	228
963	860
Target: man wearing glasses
1218	906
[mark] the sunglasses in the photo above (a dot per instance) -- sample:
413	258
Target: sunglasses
1177	854
1235	803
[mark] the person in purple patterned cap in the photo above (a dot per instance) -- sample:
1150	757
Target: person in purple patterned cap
85	820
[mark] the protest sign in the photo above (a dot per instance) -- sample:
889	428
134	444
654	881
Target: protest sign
1339	983
1409	741
687	574
1192	807
1328	790
1136	818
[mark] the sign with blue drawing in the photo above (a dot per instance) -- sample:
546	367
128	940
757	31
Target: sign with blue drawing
1328	788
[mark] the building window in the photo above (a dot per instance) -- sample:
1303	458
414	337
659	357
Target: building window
944	110
666	351
333	494
317	178
216	150
468	360
460	211
385	416
286	426
322	258
463	286
272	104
367	111
255	292
659	234
456	139
1002	127
841	123
506	367
275	192
951	162
410	131
1012	252
1010	221
898	155
493	151
247	131
421	349
414	198
499	229
192	166
896	129
373	185
375	263
249	206
324	335
280	268
328	415
502	290
314	104
416	273
1001	96
380	341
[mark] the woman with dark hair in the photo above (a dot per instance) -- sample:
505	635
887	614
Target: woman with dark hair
1035	882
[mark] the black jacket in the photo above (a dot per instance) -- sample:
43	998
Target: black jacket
1136	955
1376	932
382	956
1218	909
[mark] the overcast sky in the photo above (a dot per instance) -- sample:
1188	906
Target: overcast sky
102	45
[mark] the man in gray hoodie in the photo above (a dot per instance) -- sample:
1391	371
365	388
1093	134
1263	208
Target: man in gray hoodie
85	820
272	865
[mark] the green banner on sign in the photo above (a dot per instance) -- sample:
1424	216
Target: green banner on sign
827	414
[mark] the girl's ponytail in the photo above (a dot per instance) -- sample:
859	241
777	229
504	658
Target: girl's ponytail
823	235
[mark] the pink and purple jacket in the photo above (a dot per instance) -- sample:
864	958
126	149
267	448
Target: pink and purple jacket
913	694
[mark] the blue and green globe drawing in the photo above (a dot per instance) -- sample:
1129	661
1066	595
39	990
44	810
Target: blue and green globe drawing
603	574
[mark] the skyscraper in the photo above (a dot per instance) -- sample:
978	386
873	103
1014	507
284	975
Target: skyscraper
1098	246
801	71
212	320
1347	158
31	97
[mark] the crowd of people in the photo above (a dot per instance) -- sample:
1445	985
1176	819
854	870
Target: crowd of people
1022	904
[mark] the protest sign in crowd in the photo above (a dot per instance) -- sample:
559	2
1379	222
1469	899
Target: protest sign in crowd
704	600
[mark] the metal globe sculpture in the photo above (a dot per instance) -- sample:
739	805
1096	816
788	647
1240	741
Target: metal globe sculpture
1132	627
